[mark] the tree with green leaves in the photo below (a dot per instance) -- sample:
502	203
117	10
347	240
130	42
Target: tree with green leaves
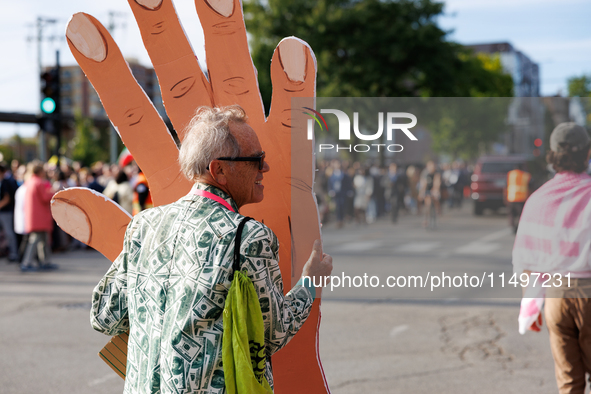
381	48
579	86
373	48
88	144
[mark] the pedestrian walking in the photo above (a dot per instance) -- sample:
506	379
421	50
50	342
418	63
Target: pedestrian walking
363	184
38	219
120	191
398	187
430	193
8	188
519	186
553	241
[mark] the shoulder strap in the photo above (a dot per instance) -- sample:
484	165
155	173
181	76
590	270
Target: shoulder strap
237	242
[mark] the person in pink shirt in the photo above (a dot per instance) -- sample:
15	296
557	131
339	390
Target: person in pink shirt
38	219
553	242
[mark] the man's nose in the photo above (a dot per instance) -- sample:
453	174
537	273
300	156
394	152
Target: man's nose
266	167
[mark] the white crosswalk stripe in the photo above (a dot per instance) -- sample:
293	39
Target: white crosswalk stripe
419	247
360	246
478	248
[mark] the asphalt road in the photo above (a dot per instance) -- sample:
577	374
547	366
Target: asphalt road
374	339
412	340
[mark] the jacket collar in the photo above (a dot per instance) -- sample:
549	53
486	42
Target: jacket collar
213	190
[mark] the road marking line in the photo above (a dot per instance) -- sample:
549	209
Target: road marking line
484	245
478	248
419	247
359	246
398	330
103	379
496	235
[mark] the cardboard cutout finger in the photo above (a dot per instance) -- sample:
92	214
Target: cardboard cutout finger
285	179
128	107
288	189
231	71
182	84
92	219
100	223
293	74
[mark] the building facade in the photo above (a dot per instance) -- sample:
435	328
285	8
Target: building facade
525	73
525	118
78	97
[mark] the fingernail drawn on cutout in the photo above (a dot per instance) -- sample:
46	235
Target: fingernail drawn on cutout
222	7
76	221
182	87
293	59
150	4
84	35
133	116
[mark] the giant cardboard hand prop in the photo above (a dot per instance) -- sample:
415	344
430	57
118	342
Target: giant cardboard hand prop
100	223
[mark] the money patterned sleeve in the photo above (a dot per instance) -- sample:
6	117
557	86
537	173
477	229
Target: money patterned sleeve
108	313
283	315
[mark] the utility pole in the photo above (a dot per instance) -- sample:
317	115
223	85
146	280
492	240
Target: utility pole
41	23
113	136
58	110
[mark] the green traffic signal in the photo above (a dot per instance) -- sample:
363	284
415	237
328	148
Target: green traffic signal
48	105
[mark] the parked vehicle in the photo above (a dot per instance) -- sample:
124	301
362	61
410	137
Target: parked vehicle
490	179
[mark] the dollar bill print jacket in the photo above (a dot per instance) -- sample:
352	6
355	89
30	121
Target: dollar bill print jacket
168	288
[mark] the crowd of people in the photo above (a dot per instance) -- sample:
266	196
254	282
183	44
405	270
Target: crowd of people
350	192
347	192
29	234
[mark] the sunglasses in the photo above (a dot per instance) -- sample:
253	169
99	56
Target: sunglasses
260	159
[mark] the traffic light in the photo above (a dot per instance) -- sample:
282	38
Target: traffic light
47	123
50	119
538	143
50	89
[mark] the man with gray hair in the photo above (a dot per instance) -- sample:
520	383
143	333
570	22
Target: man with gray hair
169	284
553	242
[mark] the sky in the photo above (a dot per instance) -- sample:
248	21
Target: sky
553	33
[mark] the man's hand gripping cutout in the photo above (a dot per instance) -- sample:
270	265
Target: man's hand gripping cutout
100	223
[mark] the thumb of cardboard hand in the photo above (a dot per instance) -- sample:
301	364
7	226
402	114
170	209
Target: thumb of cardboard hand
318	264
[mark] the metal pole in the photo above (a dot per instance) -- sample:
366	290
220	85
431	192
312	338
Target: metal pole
39	60
39	39
114	142
113	136
40	24
58	109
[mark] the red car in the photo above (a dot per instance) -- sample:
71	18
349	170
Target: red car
489	180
